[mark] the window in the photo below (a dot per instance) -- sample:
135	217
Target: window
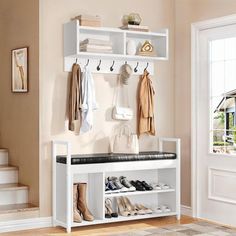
222	61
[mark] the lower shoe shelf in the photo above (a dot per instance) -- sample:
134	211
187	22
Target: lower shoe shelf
122	218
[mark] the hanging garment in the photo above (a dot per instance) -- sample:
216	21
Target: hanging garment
89	103
75	99
146	123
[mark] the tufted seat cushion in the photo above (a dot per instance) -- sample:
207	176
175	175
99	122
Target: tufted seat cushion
106	157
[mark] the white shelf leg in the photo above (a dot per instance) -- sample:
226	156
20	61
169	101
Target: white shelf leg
69	211
54	211
69	196
178	153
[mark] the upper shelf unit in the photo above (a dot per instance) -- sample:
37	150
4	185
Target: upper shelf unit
74	34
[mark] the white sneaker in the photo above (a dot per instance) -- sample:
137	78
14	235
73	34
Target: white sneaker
156	186
164	186
158	210
165	209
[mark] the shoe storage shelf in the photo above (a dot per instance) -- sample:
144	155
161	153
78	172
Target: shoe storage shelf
69	169
74	34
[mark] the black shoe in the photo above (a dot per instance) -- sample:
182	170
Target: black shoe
138	185
146	186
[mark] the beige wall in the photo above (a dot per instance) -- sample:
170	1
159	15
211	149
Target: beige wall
19	116
53	81
187	12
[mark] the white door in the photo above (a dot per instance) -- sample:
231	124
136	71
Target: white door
216	125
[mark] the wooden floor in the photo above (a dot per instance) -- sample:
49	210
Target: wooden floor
105	228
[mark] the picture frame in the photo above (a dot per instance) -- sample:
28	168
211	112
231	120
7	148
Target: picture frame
20	70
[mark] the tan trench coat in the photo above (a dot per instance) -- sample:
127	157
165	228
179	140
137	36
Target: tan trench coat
145	122
75	99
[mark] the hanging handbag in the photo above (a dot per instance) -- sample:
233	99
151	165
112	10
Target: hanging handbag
125	142
121	112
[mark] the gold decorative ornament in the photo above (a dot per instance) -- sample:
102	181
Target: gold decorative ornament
147	49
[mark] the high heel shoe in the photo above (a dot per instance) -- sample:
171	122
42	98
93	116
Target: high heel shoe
122	208
143	208
108	205
129	206
107	214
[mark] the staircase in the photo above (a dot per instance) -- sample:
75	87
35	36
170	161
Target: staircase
13	195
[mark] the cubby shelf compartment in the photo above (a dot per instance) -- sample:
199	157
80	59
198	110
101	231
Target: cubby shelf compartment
74	34
159	171
108	195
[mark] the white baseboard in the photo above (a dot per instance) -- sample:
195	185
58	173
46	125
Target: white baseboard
186	210
33	223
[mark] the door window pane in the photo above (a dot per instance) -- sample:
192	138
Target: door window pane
223	96
217	50
230	48
217	78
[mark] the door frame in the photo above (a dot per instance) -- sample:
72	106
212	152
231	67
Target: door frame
196	28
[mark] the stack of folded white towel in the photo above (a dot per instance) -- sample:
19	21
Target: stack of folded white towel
96	46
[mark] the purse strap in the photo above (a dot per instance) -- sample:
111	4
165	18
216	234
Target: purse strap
123	130
118	87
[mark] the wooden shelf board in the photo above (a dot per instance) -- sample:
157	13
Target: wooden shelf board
18	208
8	168
14	186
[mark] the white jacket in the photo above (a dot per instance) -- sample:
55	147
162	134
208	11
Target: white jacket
89	103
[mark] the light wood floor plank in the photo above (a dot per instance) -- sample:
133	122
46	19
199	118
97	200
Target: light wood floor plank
105	228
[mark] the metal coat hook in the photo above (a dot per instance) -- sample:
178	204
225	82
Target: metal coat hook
76	60
98	67
87	62
111	68
136	68
146	66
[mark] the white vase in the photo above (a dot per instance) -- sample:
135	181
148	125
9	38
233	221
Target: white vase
131	47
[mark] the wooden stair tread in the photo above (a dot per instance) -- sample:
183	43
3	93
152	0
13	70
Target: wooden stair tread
17	208
7	167
3	150
14	186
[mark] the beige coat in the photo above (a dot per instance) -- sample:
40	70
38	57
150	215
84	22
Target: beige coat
145	122
75	99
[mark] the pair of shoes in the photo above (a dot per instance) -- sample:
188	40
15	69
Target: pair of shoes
160	186
162	209
109	213
80	204
115	185
110	187
125	208
142	210
118	184
126	183
141	186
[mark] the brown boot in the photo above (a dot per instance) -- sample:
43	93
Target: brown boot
82	205
76	214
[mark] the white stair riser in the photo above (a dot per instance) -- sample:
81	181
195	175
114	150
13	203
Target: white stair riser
8	176
13	196
3	158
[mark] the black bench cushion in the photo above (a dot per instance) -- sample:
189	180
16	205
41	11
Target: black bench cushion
106	157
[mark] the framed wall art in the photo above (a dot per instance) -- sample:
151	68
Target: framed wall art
20	68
